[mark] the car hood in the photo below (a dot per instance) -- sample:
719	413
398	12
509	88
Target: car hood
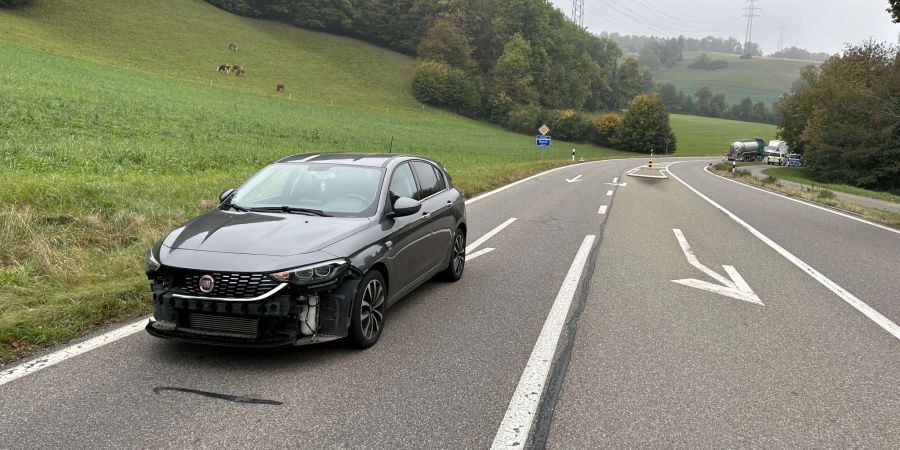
263	234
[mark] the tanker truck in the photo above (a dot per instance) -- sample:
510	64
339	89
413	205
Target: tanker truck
747	150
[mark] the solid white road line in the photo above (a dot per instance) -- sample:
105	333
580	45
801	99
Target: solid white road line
516	426
851	299
812	205
483	251
471	247
73	350
603	209
609	193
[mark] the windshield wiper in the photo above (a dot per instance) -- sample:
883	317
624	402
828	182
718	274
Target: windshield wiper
292	210
236	207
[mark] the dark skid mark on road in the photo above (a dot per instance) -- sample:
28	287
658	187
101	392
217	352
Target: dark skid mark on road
544	420
231	398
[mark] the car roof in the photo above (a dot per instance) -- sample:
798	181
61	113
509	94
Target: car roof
354	159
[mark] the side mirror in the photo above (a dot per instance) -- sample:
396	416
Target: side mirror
224	195
405	206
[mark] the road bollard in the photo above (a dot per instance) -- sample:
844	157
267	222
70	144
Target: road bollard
733	166
650	164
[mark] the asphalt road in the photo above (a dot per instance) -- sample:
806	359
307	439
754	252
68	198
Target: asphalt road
642	361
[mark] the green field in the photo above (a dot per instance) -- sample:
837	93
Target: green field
703	136
115	126
762	79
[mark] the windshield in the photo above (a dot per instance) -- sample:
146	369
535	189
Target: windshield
331	189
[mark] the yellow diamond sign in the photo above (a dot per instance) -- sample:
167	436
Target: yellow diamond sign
544	130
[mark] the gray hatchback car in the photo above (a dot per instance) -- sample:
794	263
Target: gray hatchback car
310	249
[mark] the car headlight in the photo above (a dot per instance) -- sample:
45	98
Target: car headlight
312	274
152	264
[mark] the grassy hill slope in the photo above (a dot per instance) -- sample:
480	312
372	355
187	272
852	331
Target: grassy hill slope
758	78
188	39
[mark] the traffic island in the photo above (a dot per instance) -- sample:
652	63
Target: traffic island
648	171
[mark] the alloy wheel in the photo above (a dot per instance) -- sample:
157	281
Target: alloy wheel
371	315
459	253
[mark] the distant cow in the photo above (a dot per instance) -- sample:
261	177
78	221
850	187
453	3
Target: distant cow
240	72
233	46
279	87
224	68
237	68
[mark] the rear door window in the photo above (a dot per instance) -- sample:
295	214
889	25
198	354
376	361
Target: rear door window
429	184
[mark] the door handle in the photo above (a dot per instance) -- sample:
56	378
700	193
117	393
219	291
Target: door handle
425	216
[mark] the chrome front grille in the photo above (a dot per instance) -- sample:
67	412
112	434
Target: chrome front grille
243	326
226	285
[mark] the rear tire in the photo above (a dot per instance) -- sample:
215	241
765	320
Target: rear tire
457	264
369	306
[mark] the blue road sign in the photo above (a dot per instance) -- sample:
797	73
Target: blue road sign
543	141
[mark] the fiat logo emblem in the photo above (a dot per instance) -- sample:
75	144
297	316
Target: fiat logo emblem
206	284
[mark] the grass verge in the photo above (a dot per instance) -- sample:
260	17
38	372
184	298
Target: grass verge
813	194
801	175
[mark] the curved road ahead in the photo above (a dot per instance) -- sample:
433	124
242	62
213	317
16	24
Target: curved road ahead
612	312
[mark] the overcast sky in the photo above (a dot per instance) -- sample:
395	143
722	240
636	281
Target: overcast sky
816	25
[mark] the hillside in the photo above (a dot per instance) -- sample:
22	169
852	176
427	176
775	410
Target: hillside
759	78
189	39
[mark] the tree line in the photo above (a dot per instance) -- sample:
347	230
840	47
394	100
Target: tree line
636	44
14	3
845	117
705	103
799	53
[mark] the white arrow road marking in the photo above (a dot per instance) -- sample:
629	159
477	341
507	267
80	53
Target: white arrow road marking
736	288
574	180
519	417
603	209
861	306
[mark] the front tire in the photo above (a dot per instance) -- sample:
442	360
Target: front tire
457	264
367	321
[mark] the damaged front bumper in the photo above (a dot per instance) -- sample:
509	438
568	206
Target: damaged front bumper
288	315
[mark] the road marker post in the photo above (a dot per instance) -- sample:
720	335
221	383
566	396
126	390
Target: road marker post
650	164
573	154
733	167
